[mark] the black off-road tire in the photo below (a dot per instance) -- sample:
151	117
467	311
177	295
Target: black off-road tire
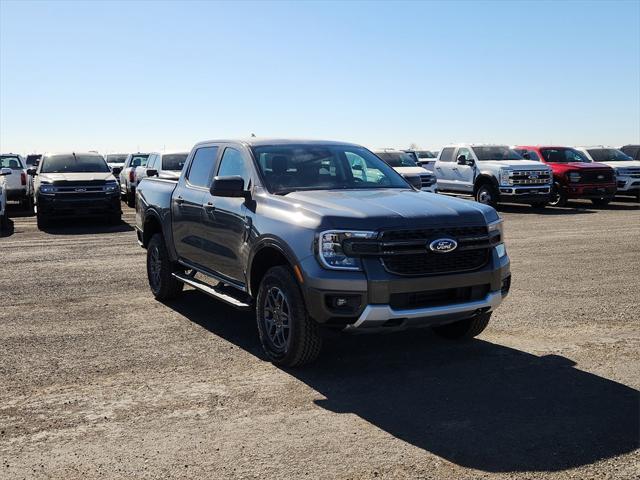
42	221
487	194
304	339
114	219
464	329
600	202
131	199
27	204
162	283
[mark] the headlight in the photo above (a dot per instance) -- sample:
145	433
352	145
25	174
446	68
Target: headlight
505	176
497	238
331	253
110	187
47	188
574	177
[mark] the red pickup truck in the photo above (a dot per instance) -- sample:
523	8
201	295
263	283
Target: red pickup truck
574	176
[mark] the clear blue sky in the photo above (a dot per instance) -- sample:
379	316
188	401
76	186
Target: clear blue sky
117	76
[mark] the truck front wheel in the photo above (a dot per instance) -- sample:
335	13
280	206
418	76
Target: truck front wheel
289	337
558	197
469	328
163	284
487	194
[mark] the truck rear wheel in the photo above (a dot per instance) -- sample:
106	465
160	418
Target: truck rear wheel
289	337
163	284
469	328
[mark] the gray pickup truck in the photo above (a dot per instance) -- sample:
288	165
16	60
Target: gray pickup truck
316	234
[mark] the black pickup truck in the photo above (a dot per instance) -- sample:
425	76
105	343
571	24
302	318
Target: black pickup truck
318	234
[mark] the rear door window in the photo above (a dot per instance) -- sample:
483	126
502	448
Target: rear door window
202	166
447	155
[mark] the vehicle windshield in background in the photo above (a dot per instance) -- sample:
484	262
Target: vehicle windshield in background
119	158
563	155
608	155
289	168
72	163
32	160
496	153
398	159
174	161
10	161
139	160
426	154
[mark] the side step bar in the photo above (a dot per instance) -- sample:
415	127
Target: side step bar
215	292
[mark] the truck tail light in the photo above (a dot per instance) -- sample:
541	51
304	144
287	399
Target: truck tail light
132	176
23	178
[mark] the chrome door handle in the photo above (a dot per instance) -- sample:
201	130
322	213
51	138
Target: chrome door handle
209	207
179	200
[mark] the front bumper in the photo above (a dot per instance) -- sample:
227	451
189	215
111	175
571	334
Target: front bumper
628	184
78	205
374	290
525	193
590	190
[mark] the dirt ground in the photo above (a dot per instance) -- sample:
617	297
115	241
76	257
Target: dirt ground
99	380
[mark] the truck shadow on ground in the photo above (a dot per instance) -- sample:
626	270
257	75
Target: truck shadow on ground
477	404
85	227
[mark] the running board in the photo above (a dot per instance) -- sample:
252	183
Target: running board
211	290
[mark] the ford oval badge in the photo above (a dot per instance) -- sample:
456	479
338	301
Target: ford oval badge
443	245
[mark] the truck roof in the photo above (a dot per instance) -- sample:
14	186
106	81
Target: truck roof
259	142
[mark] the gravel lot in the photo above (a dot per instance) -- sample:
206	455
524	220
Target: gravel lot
99	380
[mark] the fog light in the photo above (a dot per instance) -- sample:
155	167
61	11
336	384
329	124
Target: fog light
343	303
501	250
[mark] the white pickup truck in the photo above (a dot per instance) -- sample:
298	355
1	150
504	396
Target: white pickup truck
405	165
493	174
4	217
127	177
18	186
627	170
167	165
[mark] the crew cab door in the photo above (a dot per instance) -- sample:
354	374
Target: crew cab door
227	220
186	206
444	169
464	175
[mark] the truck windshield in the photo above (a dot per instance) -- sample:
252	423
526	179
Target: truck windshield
116	158
72	163
398	159
496	153
289	168
608	155
174	161
563	155
10	161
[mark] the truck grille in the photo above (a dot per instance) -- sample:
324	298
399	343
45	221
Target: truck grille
531	177
597	176
406	252
632	172
427	180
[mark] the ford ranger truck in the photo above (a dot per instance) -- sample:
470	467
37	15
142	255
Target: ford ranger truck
625	168
292	230
75	185
574	175
493	174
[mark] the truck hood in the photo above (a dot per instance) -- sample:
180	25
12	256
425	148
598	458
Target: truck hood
631	164
76	177
411	170
514	164
386	208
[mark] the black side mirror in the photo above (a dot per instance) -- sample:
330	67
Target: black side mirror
415	181
462	160
526	156
152	172
116	170
232	186
31	172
